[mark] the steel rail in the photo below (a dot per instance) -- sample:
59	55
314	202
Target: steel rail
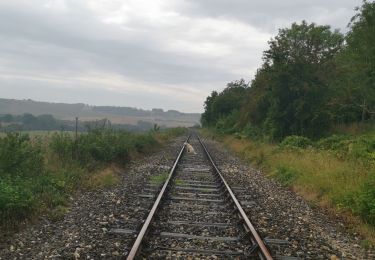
263	251
137	244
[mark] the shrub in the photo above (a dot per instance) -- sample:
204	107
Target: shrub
99	146
16	200
333	142
361	147
29	184
251	131
362	202
19	156
296	141
228	124
62	144
285	175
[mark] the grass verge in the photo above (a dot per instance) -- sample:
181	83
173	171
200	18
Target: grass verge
341	180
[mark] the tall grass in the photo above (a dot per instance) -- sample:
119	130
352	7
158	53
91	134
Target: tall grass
337	172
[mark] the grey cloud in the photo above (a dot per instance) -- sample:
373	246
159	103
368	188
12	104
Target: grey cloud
98	46
268	15
72	42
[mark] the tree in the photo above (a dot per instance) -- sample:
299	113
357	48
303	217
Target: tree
223	104
207	116
289	93
28	119
7	118
357	63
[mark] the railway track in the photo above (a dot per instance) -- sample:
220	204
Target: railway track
196	215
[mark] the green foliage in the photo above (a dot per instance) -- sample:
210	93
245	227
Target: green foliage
34	179
333	142
19	156
159	179
286	95
21	197
365	201
100	146
61	143
16	199
251	131
285	175
296	141
218	106
362	202
228	124
355	87
357	147
312	79
25	184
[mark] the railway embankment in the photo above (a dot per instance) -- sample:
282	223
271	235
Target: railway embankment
103	223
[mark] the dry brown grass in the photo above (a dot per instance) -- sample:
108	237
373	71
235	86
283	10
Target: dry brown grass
104	178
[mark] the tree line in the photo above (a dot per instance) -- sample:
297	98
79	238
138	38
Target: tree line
29	122
312	78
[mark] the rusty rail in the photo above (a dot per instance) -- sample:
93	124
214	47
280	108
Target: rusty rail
137	244
263	251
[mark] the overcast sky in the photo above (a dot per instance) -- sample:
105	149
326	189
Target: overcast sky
166	54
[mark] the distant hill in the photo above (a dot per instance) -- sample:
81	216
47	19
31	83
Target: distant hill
117	115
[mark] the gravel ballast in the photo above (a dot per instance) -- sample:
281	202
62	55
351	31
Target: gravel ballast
99	224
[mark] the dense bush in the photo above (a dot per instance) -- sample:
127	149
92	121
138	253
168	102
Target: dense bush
333	142
16	198
358	147
36	178
19	156
100	146
362	201
62	145
227	125
24	180
296	141
365	200
252	131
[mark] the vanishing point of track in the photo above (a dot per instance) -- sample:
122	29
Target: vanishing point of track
197	215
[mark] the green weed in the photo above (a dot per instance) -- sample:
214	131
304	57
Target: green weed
285	175
159	179
296	141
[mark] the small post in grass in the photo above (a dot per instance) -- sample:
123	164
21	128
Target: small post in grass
76	140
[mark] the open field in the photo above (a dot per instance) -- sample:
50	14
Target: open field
133	120
117	115
33	134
